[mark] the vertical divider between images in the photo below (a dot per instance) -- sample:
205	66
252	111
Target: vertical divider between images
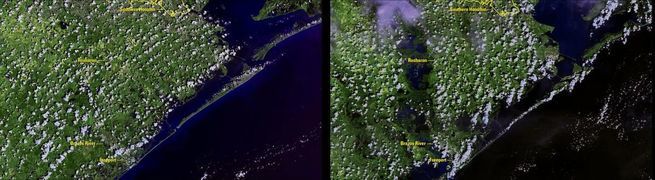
325	123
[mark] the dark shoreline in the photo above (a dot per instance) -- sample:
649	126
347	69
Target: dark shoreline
541	89
569	58
544	137
220	141
243	32
235	66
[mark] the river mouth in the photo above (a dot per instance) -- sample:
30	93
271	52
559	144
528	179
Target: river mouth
417	66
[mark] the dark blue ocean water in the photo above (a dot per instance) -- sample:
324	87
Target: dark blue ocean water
243	32
273	108
572	34
571	31
562	139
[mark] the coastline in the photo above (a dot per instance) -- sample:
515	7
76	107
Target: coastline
602	43
577	127
184	120
215	126
231	84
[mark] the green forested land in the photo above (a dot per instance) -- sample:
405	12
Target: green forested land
478	60
274	8
146	61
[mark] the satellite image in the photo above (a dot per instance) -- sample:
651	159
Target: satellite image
389	89
183	89
491	89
